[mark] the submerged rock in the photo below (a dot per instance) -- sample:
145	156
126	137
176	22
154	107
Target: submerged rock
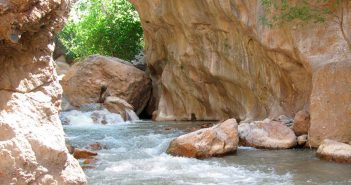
301	123
334	151
83	153
82	84
97	146
266	134
218	140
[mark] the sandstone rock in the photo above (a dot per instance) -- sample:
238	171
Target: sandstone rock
83	153
302	140
334	151
32	143
266	134
330	104
83	82
218	140
216	59
118	106
301	123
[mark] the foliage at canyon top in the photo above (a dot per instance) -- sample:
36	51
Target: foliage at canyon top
278	12
105	27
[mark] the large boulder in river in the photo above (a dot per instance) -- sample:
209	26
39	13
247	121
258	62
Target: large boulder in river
331	104
32	142
334	151
82	84
218	140
266	134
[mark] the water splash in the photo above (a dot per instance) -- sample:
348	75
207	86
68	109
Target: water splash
76	117
132	116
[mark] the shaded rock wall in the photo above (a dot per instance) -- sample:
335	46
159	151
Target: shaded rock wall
214	59
32	143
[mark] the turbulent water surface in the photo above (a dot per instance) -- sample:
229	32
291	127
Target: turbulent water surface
136	156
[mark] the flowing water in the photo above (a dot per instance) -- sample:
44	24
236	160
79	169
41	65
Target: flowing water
136	156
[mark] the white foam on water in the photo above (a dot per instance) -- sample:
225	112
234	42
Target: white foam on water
76	117
178	170
136	155
132	115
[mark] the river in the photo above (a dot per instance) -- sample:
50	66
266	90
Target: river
136	156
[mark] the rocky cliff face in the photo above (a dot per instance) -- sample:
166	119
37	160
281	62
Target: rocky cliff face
32	143
214	59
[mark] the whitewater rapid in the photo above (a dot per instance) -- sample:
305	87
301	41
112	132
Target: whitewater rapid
136	156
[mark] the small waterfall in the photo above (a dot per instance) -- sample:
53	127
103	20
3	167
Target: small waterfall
132	116
103	117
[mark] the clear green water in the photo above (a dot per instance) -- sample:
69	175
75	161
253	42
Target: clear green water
136	157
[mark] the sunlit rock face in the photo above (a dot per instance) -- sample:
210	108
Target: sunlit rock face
32	143
214	59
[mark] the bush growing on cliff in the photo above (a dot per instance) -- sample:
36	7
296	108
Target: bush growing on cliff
106	27
318	11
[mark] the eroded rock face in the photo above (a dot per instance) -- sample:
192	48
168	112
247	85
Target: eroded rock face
266	134
83	82
330	104
218	140
334	151
215	59
32	143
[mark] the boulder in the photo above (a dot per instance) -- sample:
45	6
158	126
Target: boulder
330	104
82	84
302	140
301	123
266	134
83	153
334	151
218	140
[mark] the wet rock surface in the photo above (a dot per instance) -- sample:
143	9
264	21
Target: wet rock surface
334	151
218	140
83	154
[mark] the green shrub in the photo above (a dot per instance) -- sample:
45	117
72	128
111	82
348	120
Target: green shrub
106	27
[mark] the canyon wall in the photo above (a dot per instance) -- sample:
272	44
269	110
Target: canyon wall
32	143
214	59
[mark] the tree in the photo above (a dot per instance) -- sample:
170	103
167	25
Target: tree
316	11
106	27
